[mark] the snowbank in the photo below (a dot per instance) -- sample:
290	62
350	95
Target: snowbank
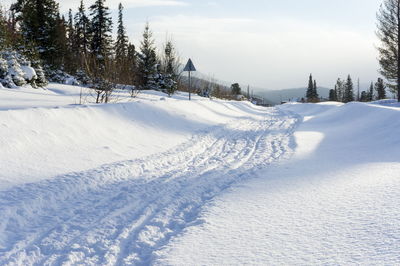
336	202
40	143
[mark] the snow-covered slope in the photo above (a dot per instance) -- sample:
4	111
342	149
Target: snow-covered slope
57	136
111	184
158	180
336	202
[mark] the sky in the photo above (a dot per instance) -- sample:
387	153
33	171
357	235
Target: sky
269	44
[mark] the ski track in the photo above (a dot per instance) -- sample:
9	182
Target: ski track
122	213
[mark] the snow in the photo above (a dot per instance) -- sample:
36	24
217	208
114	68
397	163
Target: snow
336	202
29	72
164	181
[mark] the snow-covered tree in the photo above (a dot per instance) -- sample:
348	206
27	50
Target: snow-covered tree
147	62
14	70
38	21
170	68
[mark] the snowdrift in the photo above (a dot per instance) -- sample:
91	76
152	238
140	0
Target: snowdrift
336	202
59	137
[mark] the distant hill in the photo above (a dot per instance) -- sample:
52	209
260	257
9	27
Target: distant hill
276	96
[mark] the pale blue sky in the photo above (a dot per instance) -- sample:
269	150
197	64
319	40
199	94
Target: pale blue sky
271	44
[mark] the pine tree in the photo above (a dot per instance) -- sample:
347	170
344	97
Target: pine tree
132	65
315	91
72	55
170	68
100	30
371	93
82	41
235	89
82	24
348	91
147	62
121	45
121	48
310	89
3	30
38	21
389	52
332	95
364	97
339	87
60	44
380	88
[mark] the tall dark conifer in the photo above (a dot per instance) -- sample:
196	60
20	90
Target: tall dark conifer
82	35
380	88
147	61
39	23
332	95
315	91
100	29
389	34
170	68
121	45
348	90
121	49
310	89
371	92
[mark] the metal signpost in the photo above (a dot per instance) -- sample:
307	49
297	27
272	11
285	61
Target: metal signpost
189	68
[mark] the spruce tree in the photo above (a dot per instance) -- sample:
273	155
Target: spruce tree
380	88
82	37
38	23
235	89
348	90
332	95
147	62
170	68
310	89
100	30
389	52
315	91
121	45
371	93
132	64
121	49
364	96
339	87
3	30
72	55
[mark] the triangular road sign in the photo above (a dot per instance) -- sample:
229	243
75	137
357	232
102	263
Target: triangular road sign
189	66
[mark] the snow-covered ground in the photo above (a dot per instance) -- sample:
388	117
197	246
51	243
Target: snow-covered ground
336	202
158	180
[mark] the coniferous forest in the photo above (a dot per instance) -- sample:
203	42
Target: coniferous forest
38	45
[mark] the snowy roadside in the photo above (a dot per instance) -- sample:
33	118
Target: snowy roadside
43	134
121	212
336	202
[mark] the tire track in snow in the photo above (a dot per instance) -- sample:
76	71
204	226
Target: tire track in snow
123	213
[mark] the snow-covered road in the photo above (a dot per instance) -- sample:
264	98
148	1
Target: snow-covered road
122	213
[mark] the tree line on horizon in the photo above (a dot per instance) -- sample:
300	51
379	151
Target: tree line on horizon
344	91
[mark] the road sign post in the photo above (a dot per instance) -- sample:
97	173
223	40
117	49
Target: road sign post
189	68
